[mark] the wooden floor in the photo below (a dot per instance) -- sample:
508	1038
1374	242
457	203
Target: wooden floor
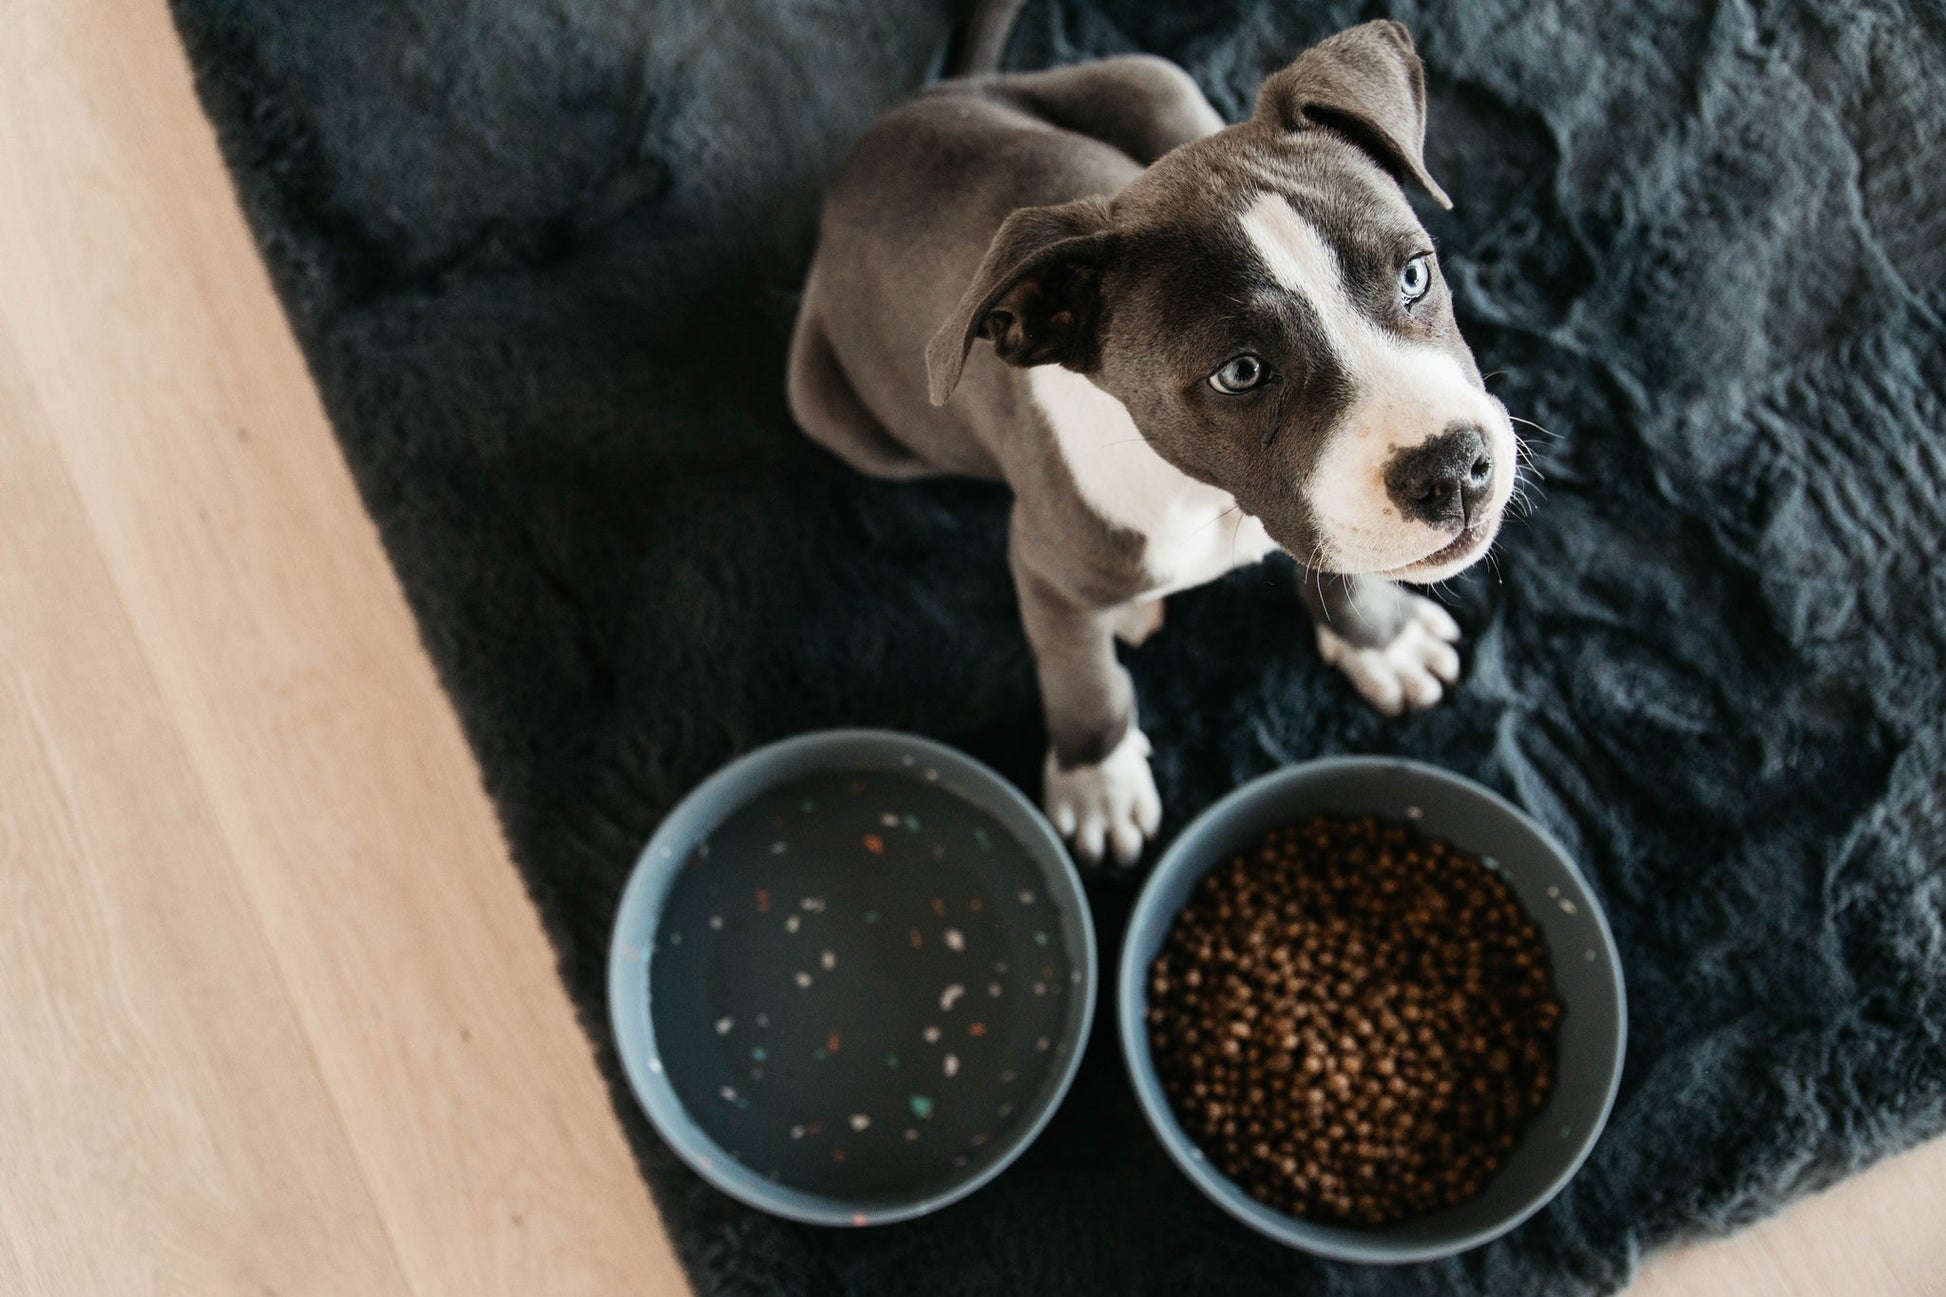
275	1015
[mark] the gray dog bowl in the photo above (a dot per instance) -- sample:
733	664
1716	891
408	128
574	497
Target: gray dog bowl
851	977
1587	979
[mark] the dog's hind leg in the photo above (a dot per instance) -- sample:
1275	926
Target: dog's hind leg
827	408
1138	103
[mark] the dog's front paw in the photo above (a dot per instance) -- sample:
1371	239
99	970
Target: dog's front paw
1112	804
1411	671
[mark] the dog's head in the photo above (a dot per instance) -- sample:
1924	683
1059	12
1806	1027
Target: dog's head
1271	313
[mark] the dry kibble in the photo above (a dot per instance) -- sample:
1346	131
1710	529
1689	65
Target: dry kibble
1409	1019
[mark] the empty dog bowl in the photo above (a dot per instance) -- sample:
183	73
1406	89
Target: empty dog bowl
1587	981
851	977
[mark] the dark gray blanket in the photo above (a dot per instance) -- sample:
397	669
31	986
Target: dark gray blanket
542	258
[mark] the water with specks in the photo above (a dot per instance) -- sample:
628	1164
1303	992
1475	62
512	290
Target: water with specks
822	984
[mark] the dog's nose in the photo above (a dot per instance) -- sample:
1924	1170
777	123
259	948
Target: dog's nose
1442	480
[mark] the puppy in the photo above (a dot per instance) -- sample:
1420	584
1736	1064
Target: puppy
1182	346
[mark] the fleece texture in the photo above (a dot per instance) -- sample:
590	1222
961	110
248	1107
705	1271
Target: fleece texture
543	259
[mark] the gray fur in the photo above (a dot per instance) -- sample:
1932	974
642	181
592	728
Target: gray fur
1087	217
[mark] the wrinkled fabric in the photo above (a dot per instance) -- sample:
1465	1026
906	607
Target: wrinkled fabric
543	261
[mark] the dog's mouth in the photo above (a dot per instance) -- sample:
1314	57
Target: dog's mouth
1452	557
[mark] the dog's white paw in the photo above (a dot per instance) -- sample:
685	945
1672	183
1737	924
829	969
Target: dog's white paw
1412	671
1135	622
1111	805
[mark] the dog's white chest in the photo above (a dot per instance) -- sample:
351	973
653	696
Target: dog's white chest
1192	532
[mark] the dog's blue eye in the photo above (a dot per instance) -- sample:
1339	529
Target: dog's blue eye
1416	278
1238	375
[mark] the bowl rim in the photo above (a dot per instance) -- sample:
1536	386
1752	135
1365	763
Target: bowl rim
649	881
1143	1079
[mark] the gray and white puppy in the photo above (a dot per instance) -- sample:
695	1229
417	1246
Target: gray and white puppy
1206	343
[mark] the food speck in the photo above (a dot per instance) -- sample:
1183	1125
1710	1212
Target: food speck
802	979
859	1121
828	960
951	996
950	1065
921	1106
723	1025
875	844
955	939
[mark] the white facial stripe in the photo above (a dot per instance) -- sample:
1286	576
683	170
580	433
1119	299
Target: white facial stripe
1302	262
1406	393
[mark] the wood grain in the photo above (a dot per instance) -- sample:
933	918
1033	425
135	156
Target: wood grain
275	1015
177	1134
302	728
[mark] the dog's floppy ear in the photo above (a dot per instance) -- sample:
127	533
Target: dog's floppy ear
1366	83
1034	296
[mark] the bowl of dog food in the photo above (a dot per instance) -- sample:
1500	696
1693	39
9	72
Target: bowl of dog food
851	977
1372	1010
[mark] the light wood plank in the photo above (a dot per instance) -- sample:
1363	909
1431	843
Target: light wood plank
166	1129
285	656
1876	1234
